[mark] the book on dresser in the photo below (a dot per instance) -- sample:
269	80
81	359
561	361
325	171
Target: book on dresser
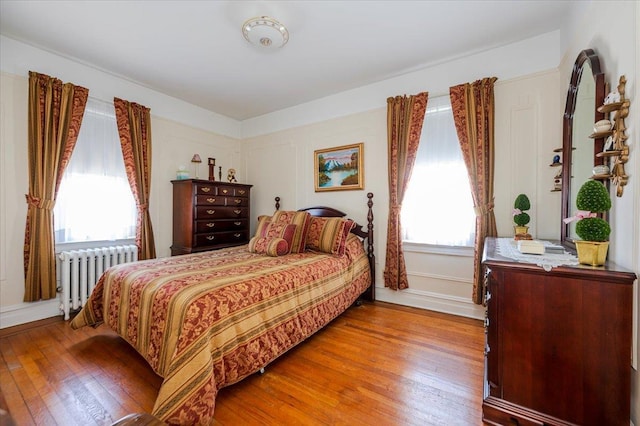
209	215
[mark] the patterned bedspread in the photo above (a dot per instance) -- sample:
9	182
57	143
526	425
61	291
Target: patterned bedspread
205	321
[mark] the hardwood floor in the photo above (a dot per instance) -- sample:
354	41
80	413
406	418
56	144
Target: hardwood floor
377	364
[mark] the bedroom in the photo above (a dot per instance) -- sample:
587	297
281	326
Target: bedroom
533	85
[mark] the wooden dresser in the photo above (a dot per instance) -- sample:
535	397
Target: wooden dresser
558	343
209	215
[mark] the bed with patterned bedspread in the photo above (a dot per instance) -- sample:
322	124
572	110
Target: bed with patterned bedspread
207	320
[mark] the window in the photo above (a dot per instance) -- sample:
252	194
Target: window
437	207
95	201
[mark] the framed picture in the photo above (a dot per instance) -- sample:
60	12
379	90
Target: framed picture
340	168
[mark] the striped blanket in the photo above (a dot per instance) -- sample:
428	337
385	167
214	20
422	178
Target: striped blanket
204	321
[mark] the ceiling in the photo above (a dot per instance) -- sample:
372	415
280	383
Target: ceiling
195	51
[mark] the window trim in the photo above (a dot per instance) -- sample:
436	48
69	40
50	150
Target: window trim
415	247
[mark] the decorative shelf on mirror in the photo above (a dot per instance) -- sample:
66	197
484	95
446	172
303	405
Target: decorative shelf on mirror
557	179
601	134
619	155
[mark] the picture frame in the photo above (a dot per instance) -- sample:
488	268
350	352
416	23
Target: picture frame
340	168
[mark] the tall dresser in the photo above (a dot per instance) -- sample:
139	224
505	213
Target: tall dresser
558	343
209	215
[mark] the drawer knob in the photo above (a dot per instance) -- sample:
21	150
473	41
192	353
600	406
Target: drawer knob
205	189
237	235
211	200
211	224
237	211
224	191
237	223
211	211
210	237
237	201
241	191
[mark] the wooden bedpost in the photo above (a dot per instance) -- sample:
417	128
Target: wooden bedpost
371	292
277	203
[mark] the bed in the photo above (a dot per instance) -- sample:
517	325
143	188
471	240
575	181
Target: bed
207	320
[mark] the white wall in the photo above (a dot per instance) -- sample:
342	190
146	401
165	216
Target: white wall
528	120
612	30
279	162
174	143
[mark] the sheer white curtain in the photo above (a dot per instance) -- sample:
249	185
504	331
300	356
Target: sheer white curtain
95	201
438	208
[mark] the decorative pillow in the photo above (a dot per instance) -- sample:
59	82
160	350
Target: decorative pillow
270	243
329	234
302	220
269	246
263	222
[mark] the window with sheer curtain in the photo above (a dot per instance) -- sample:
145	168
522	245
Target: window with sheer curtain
95	202
437	207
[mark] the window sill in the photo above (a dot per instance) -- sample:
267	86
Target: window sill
462	251
82	245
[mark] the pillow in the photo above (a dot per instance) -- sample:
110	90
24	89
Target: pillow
269	246
329	234
276	240
302	220
263	222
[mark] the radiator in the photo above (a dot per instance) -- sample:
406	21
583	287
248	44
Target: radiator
79	271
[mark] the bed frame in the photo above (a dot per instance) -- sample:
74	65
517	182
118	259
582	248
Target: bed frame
367	236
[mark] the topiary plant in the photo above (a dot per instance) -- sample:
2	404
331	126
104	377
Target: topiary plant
519	206
592	198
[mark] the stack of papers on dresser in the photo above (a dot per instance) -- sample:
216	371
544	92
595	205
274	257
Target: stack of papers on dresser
531	246
554	255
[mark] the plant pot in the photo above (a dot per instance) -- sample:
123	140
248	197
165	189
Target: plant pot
593	253
520	230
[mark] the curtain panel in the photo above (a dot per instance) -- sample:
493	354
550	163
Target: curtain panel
134	128
405	115
54	119
473	114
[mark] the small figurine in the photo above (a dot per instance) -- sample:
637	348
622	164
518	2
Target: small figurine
231	175
220	173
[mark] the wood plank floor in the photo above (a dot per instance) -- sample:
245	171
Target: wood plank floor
377	364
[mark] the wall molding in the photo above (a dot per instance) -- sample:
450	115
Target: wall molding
440	277
28	312
438	302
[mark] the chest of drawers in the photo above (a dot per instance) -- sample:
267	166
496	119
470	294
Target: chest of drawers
209	215
558	343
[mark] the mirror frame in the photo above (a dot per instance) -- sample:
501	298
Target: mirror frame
587	55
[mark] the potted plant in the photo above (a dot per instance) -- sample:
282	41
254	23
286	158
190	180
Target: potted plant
521	219
592	199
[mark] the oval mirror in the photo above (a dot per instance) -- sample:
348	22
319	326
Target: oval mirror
585	94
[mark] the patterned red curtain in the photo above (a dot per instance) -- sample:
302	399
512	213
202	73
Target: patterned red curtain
55	116
405	115
134	128
473	114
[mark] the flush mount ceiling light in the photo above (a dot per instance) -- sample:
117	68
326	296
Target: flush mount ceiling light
264	31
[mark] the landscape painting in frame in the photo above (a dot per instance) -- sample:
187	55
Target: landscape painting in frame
339	168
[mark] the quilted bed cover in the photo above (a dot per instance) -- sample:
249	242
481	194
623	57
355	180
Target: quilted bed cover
204	321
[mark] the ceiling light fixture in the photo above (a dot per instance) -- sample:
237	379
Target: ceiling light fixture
264	31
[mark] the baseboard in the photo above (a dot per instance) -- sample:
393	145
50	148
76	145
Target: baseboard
23	313
437	302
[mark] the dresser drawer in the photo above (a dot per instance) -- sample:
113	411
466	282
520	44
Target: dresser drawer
207	226
214	212
210	200
230	237
232	191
